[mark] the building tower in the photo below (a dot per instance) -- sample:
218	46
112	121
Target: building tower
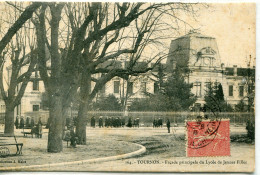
199	55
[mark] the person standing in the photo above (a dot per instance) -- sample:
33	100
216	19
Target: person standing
32	122
93	122
73	138
27	123
106	122
39	130
168	124
17	122
21	123
40	121
160	123
100	122
155	123
123	122
129	124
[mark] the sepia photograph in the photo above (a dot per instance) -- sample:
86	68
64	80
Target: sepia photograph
127	86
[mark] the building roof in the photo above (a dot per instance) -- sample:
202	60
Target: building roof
245	72
240	71
195	34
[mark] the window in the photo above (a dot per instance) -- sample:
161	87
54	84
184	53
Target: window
35	85
197	86
241	91
36	107
130	88
230	90
155	87
2	109
143	86
116	86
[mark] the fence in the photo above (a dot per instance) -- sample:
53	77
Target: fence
146	118
179	118
35	115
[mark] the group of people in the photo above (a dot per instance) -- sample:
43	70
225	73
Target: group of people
70	136
157	123
133	123
115	122
28	123
69	131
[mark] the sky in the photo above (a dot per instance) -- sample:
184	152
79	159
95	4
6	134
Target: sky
233	26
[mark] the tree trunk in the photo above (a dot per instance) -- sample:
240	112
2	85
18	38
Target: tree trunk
55	86
56	125
81	124
9	122
83	108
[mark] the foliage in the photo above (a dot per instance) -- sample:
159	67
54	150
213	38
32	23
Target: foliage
250	127
219	93
241	106
155	102
175	96
214	99
179	92
110	103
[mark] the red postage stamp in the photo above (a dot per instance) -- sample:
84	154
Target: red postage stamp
208	138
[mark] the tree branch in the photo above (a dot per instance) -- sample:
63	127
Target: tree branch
27	14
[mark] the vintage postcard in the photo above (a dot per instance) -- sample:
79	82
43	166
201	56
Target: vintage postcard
127	87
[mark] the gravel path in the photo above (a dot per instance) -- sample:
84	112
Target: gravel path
165	148
160	146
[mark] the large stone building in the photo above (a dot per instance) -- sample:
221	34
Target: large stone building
134	87
197	52
200	55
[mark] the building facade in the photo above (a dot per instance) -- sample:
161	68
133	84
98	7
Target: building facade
194	51
200	55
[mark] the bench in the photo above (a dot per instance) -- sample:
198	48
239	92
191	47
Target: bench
37	131
38	135
19	147
26	133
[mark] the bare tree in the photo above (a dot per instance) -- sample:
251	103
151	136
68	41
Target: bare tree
16	59
131	43
25	15
81	38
